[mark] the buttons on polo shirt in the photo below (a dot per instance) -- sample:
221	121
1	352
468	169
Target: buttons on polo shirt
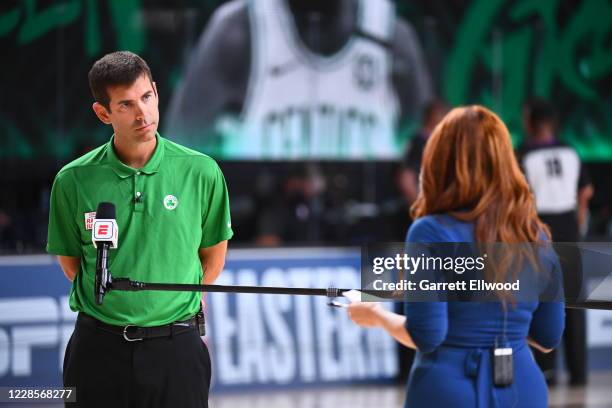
138	201
139	185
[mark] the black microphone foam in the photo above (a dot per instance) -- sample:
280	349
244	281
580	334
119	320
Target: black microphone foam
106	211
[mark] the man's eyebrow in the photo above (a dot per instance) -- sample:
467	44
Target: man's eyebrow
150	91
124	101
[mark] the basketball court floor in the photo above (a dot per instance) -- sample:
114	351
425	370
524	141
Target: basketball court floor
598	394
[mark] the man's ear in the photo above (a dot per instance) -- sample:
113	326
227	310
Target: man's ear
154	88
101	113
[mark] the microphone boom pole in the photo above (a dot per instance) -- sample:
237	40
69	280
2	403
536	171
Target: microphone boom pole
126	284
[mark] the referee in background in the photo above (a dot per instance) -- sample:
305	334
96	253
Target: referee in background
562	191
138	349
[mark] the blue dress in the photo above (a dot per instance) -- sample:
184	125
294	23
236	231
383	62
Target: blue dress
453	366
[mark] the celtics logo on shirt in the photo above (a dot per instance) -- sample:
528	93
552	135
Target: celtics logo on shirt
170	202
364	72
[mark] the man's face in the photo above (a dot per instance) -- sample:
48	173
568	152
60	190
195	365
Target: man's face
134	112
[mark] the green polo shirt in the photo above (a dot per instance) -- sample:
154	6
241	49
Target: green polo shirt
166	211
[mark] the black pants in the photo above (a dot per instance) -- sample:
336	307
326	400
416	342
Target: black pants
108	371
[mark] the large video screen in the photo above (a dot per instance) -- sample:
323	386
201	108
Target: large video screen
257	80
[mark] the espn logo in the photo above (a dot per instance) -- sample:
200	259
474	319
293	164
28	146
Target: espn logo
105	230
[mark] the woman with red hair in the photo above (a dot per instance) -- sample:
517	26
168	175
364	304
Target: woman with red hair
472	190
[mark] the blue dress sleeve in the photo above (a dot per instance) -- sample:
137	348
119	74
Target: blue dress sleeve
547	324
426	322
548	320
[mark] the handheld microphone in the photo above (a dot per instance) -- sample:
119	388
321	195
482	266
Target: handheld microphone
104	236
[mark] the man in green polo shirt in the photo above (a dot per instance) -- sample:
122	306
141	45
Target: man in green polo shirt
138	348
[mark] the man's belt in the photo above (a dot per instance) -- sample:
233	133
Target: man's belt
136	333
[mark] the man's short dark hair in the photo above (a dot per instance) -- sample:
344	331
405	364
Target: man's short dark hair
115	69
540	112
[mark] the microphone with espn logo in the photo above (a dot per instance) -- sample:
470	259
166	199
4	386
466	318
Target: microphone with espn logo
104	236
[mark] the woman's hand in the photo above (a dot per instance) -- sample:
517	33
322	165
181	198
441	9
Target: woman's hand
371	314
366	314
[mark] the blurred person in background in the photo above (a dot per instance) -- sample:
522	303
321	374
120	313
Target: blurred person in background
411	165
281	78
295	214
472	190
407	174
7	235
562	190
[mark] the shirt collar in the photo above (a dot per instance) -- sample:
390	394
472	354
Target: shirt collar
123	171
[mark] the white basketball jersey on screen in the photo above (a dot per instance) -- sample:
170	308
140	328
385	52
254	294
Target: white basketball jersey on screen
304	105
553	176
